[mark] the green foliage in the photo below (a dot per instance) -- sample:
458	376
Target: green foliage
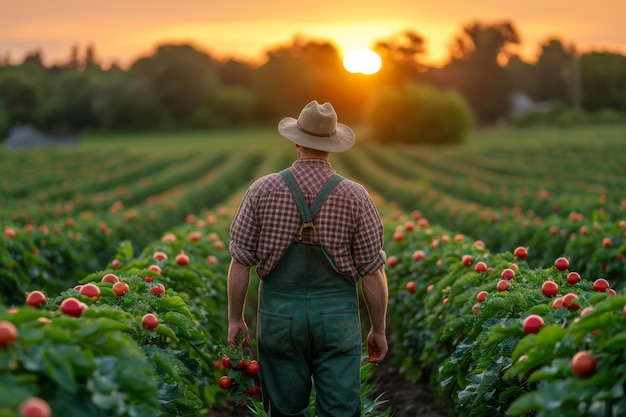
482	358
418	114
86	367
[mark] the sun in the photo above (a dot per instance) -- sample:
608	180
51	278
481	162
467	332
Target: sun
362	60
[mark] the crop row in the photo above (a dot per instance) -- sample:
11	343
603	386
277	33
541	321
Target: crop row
499	337
594	239
136	338
52	252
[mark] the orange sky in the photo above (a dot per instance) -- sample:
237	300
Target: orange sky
122	30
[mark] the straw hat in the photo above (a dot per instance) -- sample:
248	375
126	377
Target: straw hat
317	128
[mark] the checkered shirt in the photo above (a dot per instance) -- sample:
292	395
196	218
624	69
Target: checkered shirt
348	225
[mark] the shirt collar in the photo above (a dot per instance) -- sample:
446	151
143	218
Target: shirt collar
312	162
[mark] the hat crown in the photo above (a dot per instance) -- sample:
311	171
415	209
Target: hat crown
318	119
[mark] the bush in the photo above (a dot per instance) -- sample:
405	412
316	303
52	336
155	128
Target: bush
418	114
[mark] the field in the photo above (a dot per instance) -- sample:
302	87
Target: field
505	265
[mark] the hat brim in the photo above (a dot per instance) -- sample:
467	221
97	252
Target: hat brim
341	141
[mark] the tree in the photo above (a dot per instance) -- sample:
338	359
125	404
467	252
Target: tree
182	79
401	55
477	68
554	72
297	73
20	95
603	81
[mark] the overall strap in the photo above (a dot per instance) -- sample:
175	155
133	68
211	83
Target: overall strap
308	213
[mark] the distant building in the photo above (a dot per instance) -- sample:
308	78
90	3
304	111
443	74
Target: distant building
522	105
28	136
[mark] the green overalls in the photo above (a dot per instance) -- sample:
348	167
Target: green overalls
308	327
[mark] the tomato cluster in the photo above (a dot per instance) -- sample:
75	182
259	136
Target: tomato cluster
242	377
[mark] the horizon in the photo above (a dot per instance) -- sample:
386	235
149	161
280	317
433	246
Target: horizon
122	33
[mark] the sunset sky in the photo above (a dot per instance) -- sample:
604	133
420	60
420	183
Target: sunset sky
123	30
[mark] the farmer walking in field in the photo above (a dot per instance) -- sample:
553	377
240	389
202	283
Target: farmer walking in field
312	235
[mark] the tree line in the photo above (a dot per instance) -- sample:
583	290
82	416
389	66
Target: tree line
178	86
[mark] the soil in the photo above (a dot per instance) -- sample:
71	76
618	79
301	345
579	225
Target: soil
405	399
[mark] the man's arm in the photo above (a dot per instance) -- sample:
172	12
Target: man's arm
375	293
238	280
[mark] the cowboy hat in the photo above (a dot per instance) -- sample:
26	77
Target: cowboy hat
317	128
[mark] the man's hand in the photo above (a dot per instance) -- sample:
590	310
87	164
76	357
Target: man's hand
376	347
234	328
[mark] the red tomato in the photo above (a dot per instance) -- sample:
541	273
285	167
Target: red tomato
240	364
150	321
110	278
503	285
35	407
467	260
226	362
606	242
584	364
557	303
90	290
168	237
182	259
194	236
507	274
482	296
601	285
120	288
72	307
532	324
148	278
550	288
476	308
392	261
159	256
418	255
573	278
561	264
570	301
158	289
480	267
254	390
253	368
410	287
115	264
35	299
8	333
155	268
521	252
225	382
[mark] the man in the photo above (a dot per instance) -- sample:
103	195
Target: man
311	235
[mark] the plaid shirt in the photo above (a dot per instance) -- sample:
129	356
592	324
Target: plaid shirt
348	225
